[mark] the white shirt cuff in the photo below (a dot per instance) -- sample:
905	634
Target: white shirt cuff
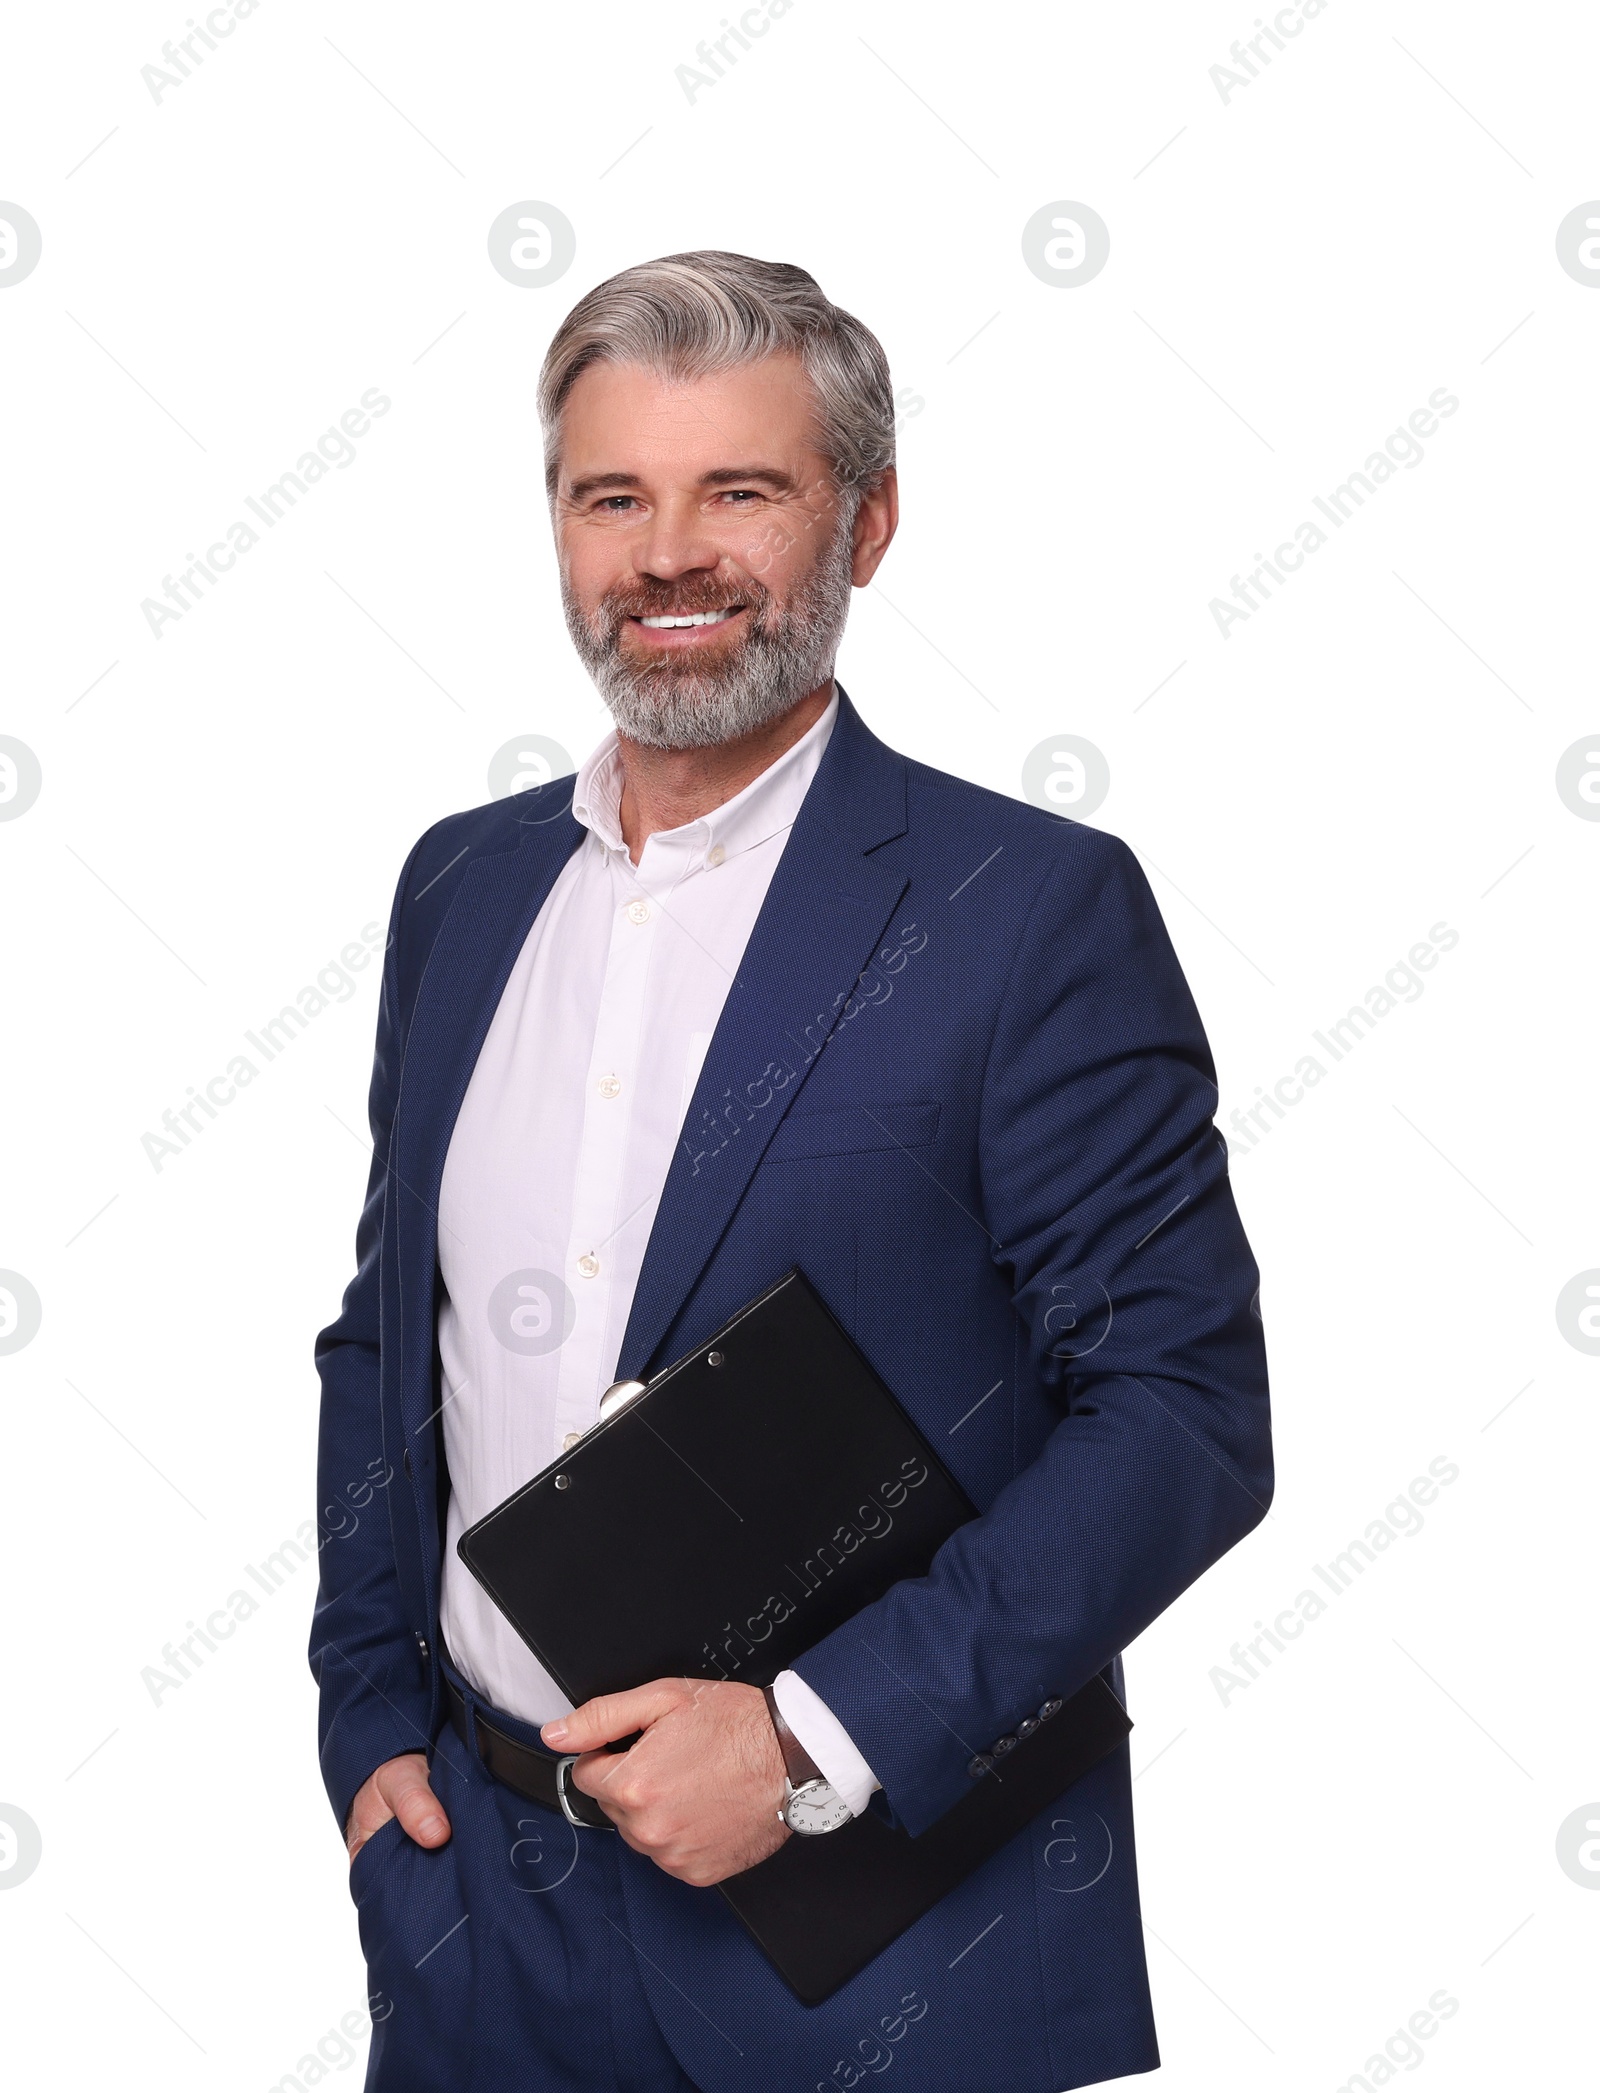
826	1739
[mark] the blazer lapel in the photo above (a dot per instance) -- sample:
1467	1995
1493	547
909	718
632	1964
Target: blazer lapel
824	915
483	930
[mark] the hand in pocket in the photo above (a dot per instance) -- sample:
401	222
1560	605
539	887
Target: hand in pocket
400	1789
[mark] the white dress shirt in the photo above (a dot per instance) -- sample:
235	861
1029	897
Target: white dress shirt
557	1163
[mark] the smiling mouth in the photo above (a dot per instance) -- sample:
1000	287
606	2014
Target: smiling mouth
688	619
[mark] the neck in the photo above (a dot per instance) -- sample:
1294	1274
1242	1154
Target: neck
665	788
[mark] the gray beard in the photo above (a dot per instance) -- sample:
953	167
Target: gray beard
786	654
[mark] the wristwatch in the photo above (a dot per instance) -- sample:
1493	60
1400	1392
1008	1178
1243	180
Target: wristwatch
811	1804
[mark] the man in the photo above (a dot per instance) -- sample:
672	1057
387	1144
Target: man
753	991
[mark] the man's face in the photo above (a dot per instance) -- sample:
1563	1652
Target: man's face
704	499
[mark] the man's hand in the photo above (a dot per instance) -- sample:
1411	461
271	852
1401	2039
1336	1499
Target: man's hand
400	1789
700	1791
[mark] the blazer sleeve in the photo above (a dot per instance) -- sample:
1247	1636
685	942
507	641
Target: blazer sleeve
372	1695
1105	1185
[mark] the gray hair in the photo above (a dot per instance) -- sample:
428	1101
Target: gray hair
687	315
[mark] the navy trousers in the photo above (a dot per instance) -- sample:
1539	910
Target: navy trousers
502	1957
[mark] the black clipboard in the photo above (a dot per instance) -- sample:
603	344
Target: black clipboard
754	1495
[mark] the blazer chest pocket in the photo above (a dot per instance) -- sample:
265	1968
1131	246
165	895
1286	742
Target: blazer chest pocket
854	1130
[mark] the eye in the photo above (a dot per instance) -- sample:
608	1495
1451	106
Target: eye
741	494
607	501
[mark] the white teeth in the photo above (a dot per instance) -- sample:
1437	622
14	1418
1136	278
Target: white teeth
699	617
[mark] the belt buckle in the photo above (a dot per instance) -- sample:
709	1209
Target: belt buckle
582	1823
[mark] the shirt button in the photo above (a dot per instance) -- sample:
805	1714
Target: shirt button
638	911
588	1264
608	1086
570	1441
716	854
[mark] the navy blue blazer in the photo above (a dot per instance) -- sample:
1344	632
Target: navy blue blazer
960	1081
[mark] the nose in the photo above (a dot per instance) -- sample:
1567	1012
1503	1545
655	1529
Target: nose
676	542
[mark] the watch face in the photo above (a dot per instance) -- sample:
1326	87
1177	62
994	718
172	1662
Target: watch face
815	1807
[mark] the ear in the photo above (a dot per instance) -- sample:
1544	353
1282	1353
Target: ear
876	520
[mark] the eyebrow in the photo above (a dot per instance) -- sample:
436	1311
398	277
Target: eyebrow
721	476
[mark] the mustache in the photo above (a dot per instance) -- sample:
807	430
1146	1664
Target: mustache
645	599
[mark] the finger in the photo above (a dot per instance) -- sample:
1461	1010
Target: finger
370	1812
404	1786
367	1813
611	1715
594	1773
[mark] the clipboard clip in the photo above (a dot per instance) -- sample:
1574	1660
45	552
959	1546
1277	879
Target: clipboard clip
618	1396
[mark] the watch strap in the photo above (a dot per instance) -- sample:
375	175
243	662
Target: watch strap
798	1762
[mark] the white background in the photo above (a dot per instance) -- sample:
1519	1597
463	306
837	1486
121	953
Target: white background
1083	468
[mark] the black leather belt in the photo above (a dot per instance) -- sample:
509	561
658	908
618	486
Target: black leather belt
526	1772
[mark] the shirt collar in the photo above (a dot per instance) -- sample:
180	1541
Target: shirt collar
767	805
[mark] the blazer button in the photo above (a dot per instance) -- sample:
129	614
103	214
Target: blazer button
979	1766
422	1648
1027	1726
1002	1745
1050	1707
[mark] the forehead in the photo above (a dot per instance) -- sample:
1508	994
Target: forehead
625	417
